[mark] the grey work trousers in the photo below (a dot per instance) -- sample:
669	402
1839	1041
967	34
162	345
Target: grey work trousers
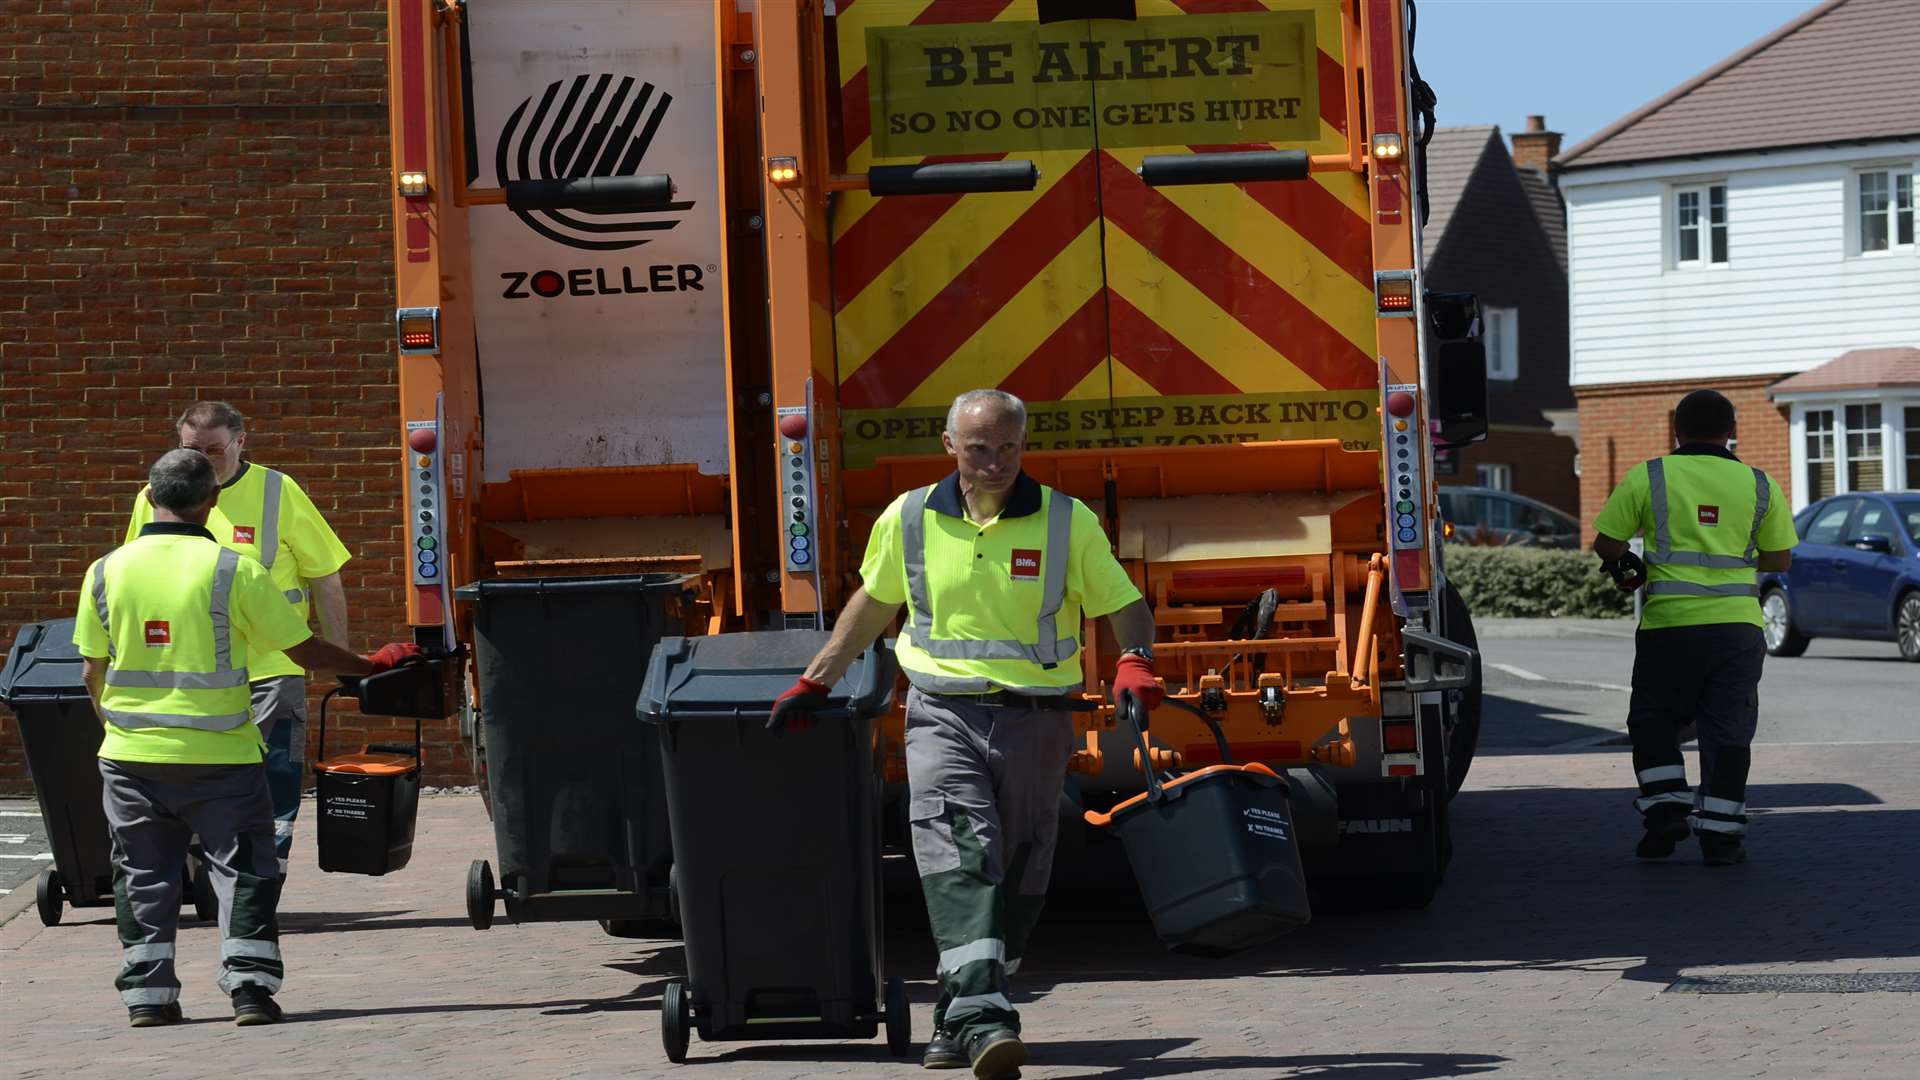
153	811
280	712
983	786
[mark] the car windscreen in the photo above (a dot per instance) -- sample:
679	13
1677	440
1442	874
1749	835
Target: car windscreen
1909	510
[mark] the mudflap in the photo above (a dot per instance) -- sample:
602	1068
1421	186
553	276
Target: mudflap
1395	842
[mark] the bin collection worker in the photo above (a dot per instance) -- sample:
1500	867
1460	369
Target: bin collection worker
1709	522
265	516
165	627
997	573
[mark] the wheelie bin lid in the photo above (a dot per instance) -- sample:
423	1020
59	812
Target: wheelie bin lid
599	583
738	676
43	665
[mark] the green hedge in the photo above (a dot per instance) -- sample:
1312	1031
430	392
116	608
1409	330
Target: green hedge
1527	582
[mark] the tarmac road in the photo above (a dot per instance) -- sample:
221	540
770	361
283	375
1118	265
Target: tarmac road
1563	684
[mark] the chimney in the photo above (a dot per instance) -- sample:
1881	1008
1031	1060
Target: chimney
1535	148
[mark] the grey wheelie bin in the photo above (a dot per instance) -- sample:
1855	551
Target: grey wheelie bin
42	684
776	841
579	815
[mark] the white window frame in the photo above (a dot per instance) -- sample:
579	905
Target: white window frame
1494	476
1702	193
1893	438
1857	213
1503	346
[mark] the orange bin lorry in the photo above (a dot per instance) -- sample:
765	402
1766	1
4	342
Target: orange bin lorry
687	286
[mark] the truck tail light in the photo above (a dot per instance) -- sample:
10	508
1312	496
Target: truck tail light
1393	292
1399	737
418	330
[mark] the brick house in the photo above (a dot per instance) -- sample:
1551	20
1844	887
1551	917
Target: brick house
1753	231
1497	230
194	202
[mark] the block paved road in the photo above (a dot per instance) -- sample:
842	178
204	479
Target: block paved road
1548	954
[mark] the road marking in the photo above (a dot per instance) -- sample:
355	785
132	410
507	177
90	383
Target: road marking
1529	676
13	838
20	813
45	856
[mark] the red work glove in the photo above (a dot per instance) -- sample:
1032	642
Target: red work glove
1134	675
795	708
391	655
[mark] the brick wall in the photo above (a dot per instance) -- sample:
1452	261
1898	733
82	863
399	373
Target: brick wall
1541	463
194	203
1623	425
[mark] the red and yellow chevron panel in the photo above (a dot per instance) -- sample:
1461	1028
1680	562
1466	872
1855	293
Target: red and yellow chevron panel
1122	313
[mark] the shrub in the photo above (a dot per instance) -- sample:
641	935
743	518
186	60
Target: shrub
1528	582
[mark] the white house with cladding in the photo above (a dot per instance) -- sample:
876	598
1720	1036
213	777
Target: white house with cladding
1755	224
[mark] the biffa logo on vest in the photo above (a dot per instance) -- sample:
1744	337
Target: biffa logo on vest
159	632
1026	564
1709	515
589	125
243	534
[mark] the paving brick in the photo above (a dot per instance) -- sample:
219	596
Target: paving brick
1547	954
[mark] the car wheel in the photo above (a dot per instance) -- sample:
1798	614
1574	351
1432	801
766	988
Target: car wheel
1907	623
1776	622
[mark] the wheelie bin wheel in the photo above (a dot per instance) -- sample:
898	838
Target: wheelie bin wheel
206	906
480	894
49	895
675	1018
899	1018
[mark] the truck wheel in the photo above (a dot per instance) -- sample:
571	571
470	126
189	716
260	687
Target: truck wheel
1776	623
1463	736
480	894
674	1020
49	896
899	1018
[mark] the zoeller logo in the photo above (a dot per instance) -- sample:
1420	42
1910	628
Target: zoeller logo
577	129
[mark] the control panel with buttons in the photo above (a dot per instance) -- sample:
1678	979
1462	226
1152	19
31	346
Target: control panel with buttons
795	451
1403	449
426	514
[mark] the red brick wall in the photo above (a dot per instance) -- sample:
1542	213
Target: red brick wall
194	204
1542	465
1623	425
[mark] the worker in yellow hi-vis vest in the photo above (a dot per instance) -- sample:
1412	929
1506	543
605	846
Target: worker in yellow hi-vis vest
165	628
998	574
264	515
1708	522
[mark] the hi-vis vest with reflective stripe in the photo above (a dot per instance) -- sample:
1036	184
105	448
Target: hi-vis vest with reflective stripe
171	661
986	660
1696	571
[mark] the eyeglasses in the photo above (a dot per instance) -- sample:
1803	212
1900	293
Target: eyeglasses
210	451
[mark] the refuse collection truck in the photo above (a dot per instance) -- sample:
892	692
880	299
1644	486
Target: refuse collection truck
686	286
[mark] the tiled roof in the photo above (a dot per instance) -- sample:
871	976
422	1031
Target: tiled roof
1861	369
1548	209
1844	72
1452	155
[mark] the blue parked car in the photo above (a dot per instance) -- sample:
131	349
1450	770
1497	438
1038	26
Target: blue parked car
1855	574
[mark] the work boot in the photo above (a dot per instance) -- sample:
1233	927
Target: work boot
997	1054
1663	833
943	1052
253	1005
1719	849
153	1015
